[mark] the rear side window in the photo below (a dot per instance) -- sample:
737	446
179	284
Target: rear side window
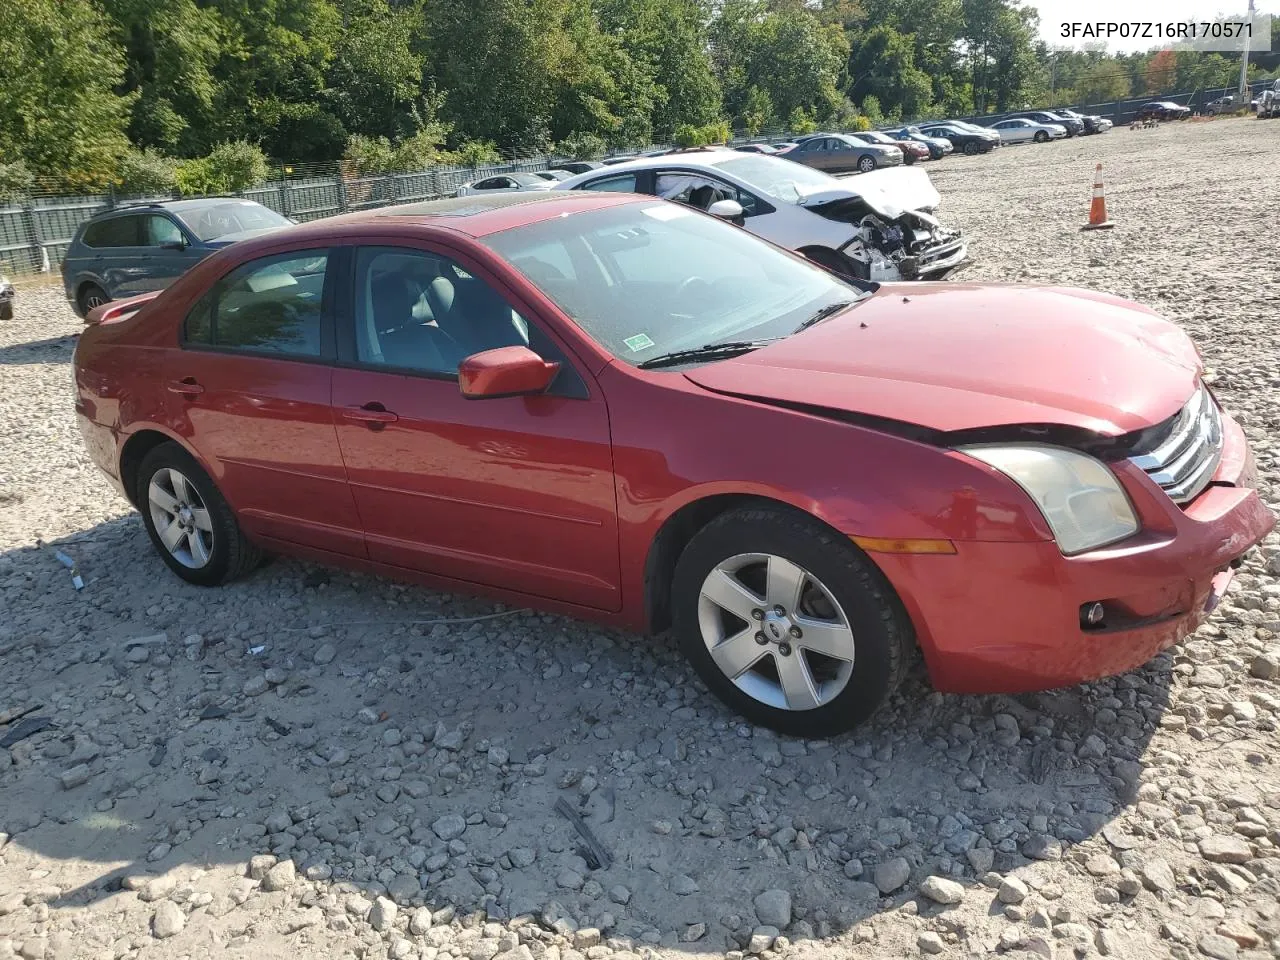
113	232
621	184
270	305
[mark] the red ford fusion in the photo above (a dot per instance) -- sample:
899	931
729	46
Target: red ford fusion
626	410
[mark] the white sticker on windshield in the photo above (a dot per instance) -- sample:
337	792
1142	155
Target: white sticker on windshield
639	342
667	211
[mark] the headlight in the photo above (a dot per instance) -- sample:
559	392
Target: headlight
1080	497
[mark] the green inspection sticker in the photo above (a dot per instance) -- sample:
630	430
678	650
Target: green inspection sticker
639	342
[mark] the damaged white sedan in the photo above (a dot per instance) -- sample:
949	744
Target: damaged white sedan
879	226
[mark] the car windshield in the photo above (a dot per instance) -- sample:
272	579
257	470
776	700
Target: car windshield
777	178
526	179
233	216
648	279
875	136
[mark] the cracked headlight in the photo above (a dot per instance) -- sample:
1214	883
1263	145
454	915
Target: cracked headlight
1079	496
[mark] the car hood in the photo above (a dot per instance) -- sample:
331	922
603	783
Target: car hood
890	193
229	238
966	356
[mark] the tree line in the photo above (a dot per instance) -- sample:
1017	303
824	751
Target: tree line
200	93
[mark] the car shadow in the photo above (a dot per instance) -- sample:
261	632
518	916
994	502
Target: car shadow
49	350
426	753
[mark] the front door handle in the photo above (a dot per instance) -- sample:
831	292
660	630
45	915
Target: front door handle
187	387
371	413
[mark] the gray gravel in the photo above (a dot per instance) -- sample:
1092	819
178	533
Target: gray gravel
298	768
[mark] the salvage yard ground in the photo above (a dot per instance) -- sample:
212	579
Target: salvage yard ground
405	775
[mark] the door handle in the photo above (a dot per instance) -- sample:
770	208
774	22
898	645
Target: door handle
186	387
370	413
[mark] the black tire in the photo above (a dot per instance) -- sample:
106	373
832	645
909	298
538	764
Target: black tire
231	555
882	631
971	149
866	164
91	296
6	310
908	159
1041	136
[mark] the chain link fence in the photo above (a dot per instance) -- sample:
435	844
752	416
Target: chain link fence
36	229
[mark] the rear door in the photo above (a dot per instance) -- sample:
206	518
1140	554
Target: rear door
515	492
168	254
117	254
251	390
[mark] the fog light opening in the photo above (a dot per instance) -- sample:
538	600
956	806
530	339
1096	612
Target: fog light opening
1092	615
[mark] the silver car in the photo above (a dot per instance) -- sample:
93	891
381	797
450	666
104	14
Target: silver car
505	183
1022	130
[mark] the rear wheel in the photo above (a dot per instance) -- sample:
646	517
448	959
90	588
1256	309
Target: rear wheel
789	623
866	164
92	296
1041	136
908	158
6	310
189	523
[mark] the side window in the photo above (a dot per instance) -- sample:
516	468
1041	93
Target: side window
160	230
626	183
420	311
493	183
701	192
273	305
198	326
115	232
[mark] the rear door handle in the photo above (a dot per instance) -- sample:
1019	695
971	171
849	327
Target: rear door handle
370	413
187	387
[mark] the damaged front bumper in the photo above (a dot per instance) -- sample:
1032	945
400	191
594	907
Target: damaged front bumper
906	253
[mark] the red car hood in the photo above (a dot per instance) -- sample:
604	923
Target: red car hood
965	356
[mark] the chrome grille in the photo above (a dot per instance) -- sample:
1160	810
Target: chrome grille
1185	461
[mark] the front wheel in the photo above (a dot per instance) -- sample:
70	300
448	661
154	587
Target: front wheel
1041	136
908	159
789	623
189	523
92	296
866	164
6	310
970	149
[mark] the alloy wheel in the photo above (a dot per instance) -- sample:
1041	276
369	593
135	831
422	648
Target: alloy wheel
866	164
776	631
180	517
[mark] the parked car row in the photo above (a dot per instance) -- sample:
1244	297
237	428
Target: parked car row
597	402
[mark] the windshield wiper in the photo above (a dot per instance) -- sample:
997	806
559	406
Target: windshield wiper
829	310
708	351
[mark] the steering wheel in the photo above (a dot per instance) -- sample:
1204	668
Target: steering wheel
689	284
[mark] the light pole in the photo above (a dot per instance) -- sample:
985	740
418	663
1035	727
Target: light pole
1244	65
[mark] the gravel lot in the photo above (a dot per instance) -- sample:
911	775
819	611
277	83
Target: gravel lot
311	763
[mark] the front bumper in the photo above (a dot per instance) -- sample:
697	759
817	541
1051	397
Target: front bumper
1005	617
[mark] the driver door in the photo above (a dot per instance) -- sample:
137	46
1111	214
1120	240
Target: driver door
515	493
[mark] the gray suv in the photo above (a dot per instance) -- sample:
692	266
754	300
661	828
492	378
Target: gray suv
145	247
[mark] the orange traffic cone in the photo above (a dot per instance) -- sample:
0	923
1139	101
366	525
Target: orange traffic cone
1098	208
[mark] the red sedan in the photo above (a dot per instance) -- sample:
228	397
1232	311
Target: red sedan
627	410
911	150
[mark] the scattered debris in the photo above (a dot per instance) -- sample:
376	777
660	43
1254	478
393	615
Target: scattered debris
595	854
26	728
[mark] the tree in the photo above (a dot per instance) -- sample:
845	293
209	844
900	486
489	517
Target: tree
1161	72
58	67
374	84
1105	80
884	67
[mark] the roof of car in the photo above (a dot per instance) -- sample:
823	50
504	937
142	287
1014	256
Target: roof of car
479	215
177	206
708	156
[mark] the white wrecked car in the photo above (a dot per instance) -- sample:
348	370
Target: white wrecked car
871	226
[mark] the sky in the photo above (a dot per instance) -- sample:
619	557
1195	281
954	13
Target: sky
1054	12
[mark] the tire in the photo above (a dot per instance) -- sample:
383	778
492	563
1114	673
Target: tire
844	602
1040	136
866	164
6	310
224	552
971	149
908	159
91	296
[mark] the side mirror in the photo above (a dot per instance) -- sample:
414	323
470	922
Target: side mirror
727	210
504	372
